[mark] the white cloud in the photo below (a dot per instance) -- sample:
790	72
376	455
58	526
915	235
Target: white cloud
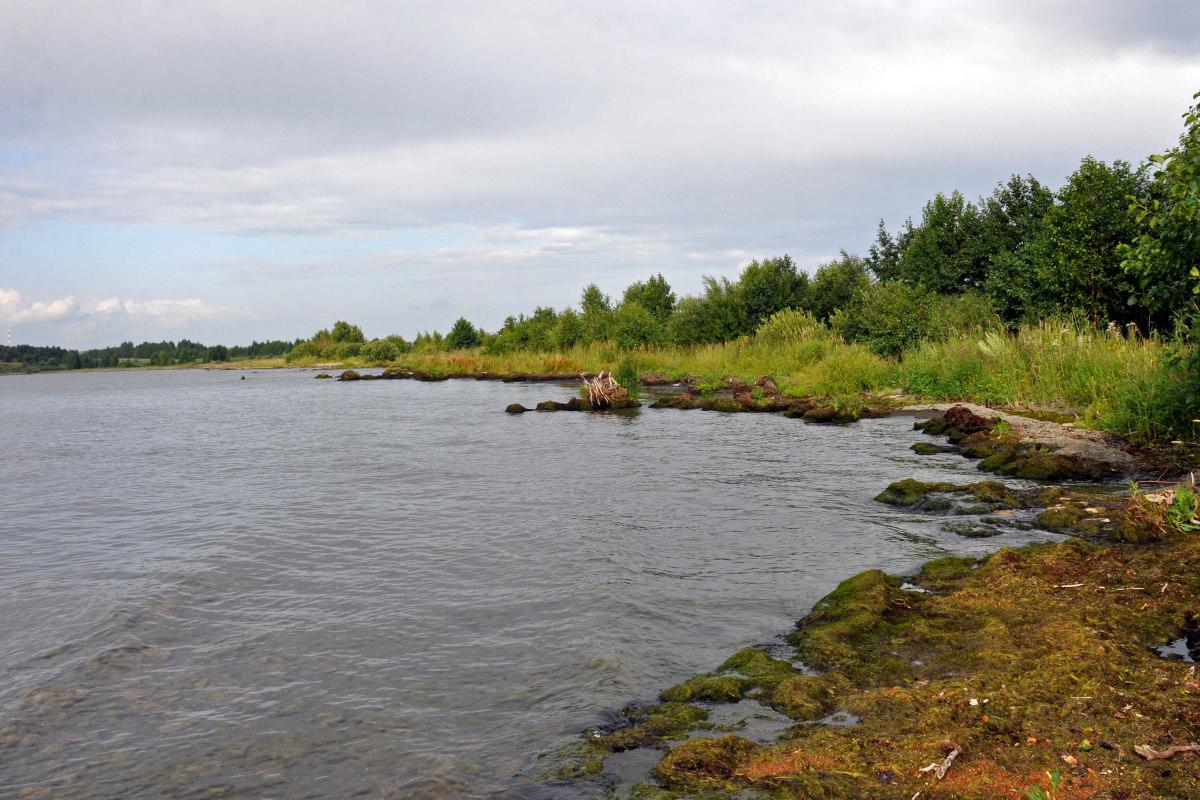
175	311
164	312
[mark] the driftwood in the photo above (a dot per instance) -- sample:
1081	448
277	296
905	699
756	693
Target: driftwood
1150	754
603	391
939	770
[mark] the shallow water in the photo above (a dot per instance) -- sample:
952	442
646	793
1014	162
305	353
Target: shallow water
284	587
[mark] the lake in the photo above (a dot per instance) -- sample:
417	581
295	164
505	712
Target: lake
290	588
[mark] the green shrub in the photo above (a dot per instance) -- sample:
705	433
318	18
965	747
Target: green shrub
380	350
626	374
792	326
633	326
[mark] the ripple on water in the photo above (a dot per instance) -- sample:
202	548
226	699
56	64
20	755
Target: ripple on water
293	588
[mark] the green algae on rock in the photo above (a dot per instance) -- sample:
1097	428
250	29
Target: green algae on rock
909	491
706	763
711	688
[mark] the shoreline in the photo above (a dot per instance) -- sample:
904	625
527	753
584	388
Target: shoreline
971	678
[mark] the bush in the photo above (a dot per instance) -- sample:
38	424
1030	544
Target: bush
380	350
888	317
302	351
792	326
627	375
349	349
634	326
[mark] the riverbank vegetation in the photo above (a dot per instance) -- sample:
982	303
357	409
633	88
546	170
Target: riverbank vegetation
1080	300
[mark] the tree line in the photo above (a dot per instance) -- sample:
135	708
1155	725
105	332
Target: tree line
1116	244
127	354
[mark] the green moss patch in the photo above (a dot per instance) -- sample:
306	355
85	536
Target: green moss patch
710	688
706	763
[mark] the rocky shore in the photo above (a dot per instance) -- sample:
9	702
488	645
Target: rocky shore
1055	670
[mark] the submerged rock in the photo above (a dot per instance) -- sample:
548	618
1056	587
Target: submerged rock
322	375
929	448
908	491
516	408
574	404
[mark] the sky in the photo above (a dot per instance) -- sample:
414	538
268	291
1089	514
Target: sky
228	171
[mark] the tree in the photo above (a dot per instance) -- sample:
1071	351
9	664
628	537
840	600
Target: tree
217	353
1011	220
654	295
883	258
345	332
1164	258
634	326
594	300
1076	264
945	254
462	336
568	331
836	284
597	314
771	285
717	316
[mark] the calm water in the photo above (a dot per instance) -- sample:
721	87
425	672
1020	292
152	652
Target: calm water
283	587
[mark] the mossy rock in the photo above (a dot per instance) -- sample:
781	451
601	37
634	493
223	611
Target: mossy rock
349	375
946	570
980	445
972	530
831	634
761	667
515	408
1033	463
830	415
684	402
802	697
701	763
927	449
649	726
908	491
709	688
957	423
995	494
322	376
726	405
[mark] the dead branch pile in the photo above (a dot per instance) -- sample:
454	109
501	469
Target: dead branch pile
603	391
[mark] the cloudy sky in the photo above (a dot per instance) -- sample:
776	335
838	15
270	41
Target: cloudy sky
237	170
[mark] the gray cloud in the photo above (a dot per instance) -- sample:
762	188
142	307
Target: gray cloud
680	132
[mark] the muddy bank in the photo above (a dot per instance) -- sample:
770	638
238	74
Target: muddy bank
992	672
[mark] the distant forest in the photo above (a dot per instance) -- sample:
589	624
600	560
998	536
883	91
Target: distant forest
28	358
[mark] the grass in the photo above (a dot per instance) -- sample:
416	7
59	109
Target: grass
1103	378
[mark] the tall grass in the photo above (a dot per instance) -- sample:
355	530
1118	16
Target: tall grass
1112	379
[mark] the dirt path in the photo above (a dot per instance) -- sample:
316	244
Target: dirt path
1057	436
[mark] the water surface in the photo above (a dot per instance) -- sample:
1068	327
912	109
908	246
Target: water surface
290	588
